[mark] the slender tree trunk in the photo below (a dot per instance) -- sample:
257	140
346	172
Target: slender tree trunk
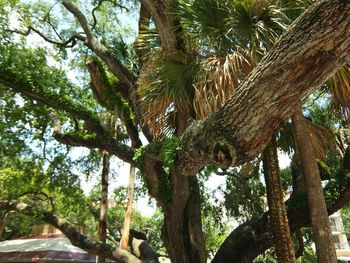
3	222
124	242
102	224
277	212
325	249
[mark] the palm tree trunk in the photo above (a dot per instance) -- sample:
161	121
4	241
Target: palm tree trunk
325	249
102	224
127	219
277	212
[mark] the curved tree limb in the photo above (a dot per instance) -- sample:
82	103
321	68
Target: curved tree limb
97	141
95	45
106	95
69	43
286	76
100	2
141	248
166	27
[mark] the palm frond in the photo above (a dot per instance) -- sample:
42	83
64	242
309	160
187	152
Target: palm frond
257	24
164	87
294	8
148	42
340	88
217	79
343	140
205	20
322	139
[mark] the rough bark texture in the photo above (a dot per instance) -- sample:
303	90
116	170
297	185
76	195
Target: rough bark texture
178	196
277	212
310	52
102	223
124	242
182	231
325	248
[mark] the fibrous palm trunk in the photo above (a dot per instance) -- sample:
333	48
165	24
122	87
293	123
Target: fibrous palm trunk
325	249
102	224
124	242
277	212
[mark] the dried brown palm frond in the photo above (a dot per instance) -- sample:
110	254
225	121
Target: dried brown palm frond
165	86
322	139
150	107
160	124
217	79
340	88
342	140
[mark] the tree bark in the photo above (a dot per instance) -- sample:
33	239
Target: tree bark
182	230
102	223
295	67
325	248
277	212
286	76
124	242
179	197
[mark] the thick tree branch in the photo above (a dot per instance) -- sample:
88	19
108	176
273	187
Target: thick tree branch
152	165
33	91
88	244
286	76
109	97
167	28
140	248
97	141
95	45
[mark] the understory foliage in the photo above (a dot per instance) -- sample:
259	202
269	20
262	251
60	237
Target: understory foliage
103	84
